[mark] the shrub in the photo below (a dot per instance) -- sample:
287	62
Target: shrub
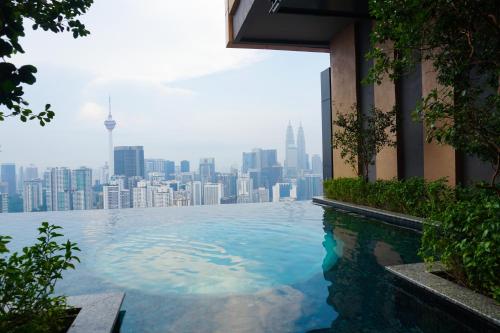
27	282
466	239
413	196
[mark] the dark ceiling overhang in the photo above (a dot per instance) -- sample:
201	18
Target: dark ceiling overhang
293	24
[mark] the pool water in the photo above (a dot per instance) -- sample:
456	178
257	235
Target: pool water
287	267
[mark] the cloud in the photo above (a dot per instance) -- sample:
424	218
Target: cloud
149	40
92	112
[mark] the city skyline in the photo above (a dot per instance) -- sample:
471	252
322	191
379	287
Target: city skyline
111	122
129	179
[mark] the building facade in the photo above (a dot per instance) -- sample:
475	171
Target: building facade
342	30
129	161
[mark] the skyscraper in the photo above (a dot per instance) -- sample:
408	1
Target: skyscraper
196	193
169	170
57	185
212	194
8	176
82	188
30	172
302	158
291	161
316	164
129	161
33	195
207	170
110	124
184	166
244	188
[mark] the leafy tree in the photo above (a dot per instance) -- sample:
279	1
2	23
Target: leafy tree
461	39
56	16
361	137
28	279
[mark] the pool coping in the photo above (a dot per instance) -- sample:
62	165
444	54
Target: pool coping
419	276
401	220
98	312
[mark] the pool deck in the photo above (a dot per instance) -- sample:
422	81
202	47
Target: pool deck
98	312
480	305
401	220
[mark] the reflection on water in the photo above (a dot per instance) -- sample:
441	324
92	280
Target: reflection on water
291	267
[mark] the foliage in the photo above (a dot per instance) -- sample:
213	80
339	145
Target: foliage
361	136
461	39
28	279
466	239
413	196
463	229
56	16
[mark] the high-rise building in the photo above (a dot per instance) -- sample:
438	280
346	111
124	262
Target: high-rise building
184	166
207	170
142	195
316	165
212	194
30	172
263	168
110	124
8	176
57	185
4	202
20	181
33	195
244	188
129	161
291	156
154	165
302	157
309	186
229	186
115	196
169	170
82	188
196	189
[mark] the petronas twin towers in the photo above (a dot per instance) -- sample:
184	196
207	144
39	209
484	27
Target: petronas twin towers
296	158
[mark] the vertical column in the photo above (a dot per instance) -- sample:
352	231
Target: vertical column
344	87
385	100
439	160
326	121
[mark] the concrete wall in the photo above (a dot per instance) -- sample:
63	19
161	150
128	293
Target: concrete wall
413	156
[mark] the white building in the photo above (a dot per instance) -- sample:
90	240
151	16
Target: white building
57	185
33	195
212	193
244	188
4	202
115	196
195	189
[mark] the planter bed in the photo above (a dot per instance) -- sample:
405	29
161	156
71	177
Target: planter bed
480	310
401	220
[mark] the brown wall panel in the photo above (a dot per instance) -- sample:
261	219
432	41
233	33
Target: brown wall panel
439	160
344	87
385	100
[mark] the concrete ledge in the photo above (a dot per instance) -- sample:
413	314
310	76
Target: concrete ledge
479	305
400	220
98	314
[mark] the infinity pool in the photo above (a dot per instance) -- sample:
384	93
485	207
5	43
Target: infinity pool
288	267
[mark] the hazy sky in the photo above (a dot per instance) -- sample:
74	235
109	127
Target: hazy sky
175	89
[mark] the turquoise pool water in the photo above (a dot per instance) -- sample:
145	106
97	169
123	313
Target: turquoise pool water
288	267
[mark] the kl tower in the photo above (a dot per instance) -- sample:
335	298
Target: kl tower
110	125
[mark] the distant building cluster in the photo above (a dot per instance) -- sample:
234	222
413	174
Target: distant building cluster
137	182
